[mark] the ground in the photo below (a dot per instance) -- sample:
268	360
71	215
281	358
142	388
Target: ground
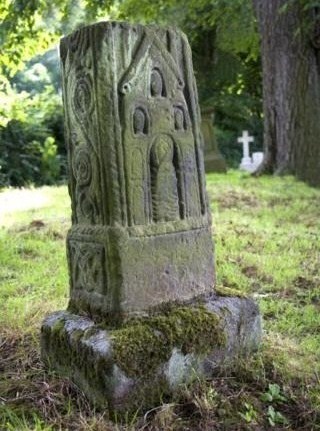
266	233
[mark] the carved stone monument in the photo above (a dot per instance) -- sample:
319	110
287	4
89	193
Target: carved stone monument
143	313
213	160
141	225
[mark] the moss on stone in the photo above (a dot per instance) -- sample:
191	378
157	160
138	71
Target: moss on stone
58	327
144	344
228	291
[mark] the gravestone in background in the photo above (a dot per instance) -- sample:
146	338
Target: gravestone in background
213	160
249	163
143	314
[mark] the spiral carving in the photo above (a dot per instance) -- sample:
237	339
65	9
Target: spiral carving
82	166
82	97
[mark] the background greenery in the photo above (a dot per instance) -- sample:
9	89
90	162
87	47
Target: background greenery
225	49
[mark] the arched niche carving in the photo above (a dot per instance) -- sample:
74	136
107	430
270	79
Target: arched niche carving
157	83
165	180
140	121
180	121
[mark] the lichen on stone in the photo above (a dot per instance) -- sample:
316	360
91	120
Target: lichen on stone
228	291
143	344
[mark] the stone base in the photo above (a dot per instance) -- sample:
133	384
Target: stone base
214	162
133	366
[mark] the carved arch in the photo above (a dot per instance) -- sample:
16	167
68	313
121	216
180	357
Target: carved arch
167	203
157	83
140	121
179	118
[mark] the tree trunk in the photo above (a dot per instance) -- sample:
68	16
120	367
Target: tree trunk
291	88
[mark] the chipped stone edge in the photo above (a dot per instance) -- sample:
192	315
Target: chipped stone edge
84	353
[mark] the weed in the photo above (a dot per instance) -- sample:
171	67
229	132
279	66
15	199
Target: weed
249	414
275	417
273	394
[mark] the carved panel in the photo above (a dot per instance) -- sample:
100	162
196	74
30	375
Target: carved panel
139	194
85	205
82	103
87	261
164	183
86	208
82	168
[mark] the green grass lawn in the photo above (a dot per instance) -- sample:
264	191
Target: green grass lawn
267	244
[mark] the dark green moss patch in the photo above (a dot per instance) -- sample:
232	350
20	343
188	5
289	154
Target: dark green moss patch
143	344
58	327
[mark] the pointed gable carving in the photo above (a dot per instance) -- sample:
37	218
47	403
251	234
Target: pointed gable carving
149	40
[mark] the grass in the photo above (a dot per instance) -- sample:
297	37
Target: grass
266	234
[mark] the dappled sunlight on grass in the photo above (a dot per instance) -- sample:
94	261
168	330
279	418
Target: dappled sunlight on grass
266	233
25	205
33	274
267	244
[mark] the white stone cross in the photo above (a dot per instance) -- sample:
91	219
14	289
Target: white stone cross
247	163
245	140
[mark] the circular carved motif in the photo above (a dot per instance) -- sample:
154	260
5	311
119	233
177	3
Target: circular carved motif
87	207
82	166
82	96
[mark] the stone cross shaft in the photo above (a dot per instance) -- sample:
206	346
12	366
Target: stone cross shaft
245	140
141	229
143	317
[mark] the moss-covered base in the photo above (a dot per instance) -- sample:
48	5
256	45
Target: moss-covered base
133	366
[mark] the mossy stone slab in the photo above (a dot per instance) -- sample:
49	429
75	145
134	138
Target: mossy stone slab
134	365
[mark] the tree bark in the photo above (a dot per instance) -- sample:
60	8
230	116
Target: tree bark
291	88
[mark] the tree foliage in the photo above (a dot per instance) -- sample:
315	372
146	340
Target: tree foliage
31	141
222	35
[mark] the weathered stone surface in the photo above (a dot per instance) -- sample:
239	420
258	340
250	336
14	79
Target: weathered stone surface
141	232
213	160
140	250
134	365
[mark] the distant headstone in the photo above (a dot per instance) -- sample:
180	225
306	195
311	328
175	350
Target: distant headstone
249	164
143	316
257	159
213	160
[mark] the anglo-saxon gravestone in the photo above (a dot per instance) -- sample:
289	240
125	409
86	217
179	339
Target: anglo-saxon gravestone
143	312
140	215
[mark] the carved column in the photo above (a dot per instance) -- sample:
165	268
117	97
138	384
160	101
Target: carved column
141	224
140	241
